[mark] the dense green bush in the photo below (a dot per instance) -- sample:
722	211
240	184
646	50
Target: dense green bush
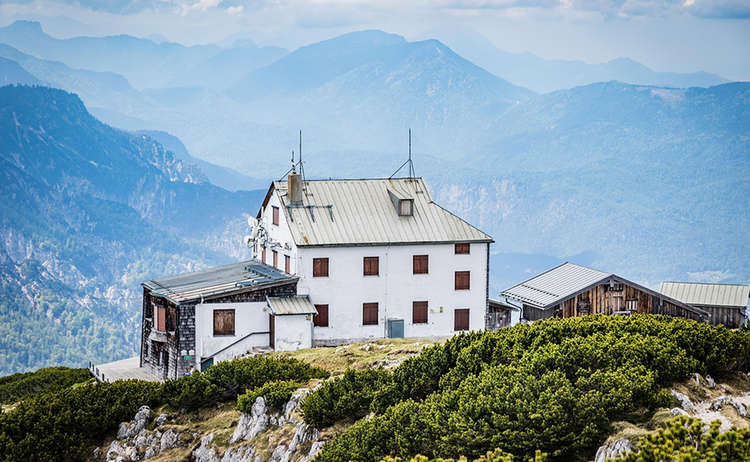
18	386
276	394
348	396
64	425
688	440
498	455
225	380
554	385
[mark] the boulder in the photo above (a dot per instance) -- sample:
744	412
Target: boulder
150	452
613	449
677	411
161	420
251	424
314	449
205	453
139	422
114	451
169	440
278	453
240	454
684	401
719	403
97	453
710	383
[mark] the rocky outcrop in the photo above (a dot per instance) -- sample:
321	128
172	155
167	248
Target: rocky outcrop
613	449
719	403
252	424
132	428
684	401
135	442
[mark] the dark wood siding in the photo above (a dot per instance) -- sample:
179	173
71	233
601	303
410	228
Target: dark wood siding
419	312
321	319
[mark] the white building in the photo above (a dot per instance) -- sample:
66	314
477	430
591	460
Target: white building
377	257
335	261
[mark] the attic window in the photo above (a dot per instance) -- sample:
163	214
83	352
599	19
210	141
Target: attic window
406	207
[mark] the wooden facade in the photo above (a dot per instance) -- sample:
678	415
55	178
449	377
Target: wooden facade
615	296
732	317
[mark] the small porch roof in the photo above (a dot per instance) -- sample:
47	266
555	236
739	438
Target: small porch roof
296	304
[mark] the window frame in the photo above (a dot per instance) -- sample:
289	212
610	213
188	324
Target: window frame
417	263
456	280
462	246
373	261
316	317
275	215
318	264
287	264
368	321
421	305
234	324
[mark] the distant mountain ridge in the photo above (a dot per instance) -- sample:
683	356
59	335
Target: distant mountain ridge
92	211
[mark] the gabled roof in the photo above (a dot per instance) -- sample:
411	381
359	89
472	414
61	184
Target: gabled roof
552	286
705	294
296	304
213	282
361	212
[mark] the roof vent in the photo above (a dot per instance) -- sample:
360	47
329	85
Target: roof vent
404	205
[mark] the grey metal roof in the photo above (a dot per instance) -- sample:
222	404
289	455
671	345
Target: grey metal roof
552	286
297	304
220	280
360	212
505	302
698	293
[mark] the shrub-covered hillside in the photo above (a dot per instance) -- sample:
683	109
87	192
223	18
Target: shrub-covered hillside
555	386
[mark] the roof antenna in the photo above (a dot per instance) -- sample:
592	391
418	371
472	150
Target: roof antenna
408	161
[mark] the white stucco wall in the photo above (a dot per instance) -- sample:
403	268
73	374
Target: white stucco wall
394	289
280	233
248	317
293	332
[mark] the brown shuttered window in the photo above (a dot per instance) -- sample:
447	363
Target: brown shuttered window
287	264
462	249
462	280
320	267
461	319
321	319
369	314
263	255
421	264
275	258
275	215
223	322
371	266
419	312
161	318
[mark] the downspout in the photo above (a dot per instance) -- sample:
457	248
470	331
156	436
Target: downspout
487	292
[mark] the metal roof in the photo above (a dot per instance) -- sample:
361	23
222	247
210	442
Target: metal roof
505	302
297	304
220	280
552	286
698	293
361	212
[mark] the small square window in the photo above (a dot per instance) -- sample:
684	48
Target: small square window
406	207
321	319
421	264
320	267
463	248
462	280
369	314
419	312
223	322
371	266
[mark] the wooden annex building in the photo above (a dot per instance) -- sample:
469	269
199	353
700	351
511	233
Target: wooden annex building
572	290
726	303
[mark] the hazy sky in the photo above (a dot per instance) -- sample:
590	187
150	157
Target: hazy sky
679	35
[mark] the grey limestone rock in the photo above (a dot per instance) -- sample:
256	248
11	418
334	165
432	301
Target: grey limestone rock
169	439
252	424
205	453
161	420
684	401
613	449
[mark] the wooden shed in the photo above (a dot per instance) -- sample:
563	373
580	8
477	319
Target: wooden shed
726	303
572	290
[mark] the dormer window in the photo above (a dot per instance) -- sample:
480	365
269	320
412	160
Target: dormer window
406	207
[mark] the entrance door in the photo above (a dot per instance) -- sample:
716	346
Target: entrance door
272	331
396	328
